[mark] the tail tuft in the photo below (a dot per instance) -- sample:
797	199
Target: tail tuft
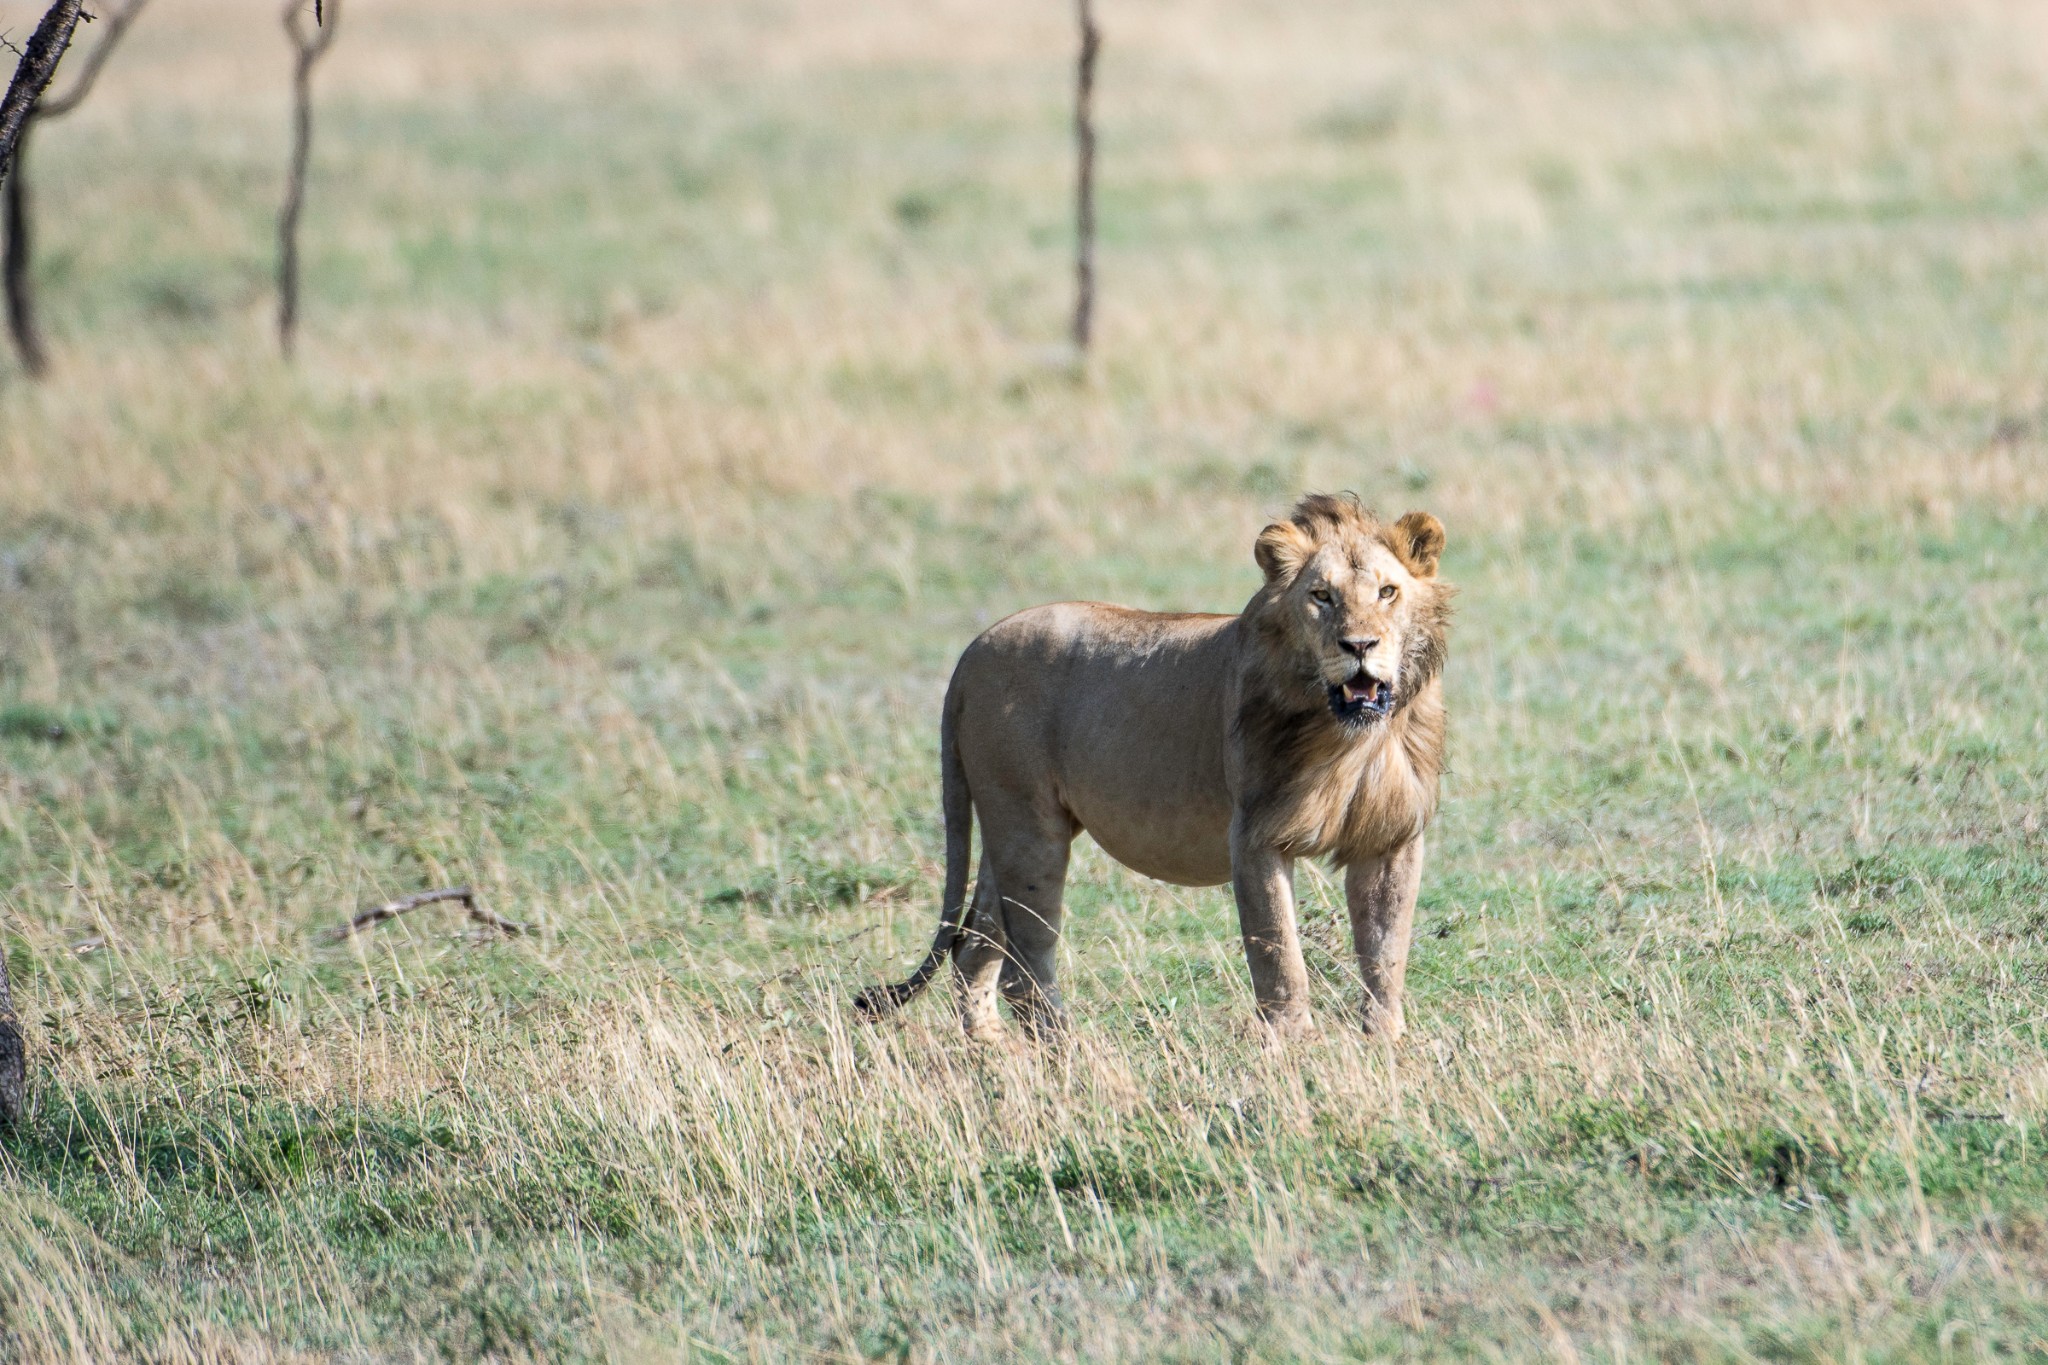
877	1003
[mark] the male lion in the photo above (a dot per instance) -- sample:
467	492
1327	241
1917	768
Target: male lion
1202	749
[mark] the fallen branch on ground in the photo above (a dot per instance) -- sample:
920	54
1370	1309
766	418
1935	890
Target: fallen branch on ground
393	909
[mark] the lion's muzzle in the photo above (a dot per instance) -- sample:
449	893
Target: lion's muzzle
1362	697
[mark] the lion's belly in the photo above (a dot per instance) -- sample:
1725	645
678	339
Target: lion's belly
1118	717
1141	767
1192	850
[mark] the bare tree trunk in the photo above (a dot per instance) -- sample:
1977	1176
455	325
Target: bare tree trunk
311	47
1084	187
13	1061
15	267
31	77
32	74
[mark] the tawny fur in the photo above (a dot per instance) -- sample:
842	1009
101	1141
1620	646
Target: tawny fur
1202	749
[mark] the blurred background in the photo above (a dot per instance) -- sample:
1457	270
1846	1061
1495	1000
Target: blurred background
680	387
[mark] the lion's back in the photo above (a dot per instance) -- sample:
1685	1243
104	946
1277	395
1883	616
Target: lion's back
1097	648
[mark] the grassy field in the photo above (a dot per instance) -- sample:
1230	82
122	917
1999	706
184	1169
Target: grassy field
676	398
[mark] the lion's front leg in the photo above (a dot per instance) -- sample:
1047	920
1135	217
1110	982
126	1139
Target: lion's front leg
1263	879
1381	895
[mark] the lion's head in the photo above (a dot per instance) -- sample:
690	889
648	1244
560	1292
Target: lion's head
1352	606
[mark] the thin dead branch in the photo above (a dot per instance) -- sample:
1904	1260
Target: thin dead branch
1084	177
31	78
115	23
393	909
16	275
310	47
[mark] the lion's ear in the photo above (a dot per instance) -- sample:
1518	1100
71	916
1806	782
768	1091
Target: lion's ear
1419	540
1282	549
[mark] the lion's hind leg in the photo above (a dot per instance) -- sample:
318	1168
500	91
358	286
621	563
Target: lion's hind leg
1031	873
978	957
1012	934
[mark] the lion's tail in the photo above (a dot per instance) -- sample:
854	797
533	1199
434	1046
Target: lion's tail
877	1002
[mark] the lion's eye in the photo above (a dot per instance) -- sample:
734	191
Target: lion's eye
1321	596
1387	592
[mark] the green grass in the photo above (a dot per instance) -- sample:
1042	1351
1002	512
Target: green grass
675	403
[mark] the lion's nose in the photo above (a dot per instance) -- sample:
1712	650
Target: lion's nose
1360	645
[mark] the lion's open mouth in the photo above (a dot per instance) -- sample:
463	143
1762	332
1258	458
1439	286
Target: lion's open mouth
1361	696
